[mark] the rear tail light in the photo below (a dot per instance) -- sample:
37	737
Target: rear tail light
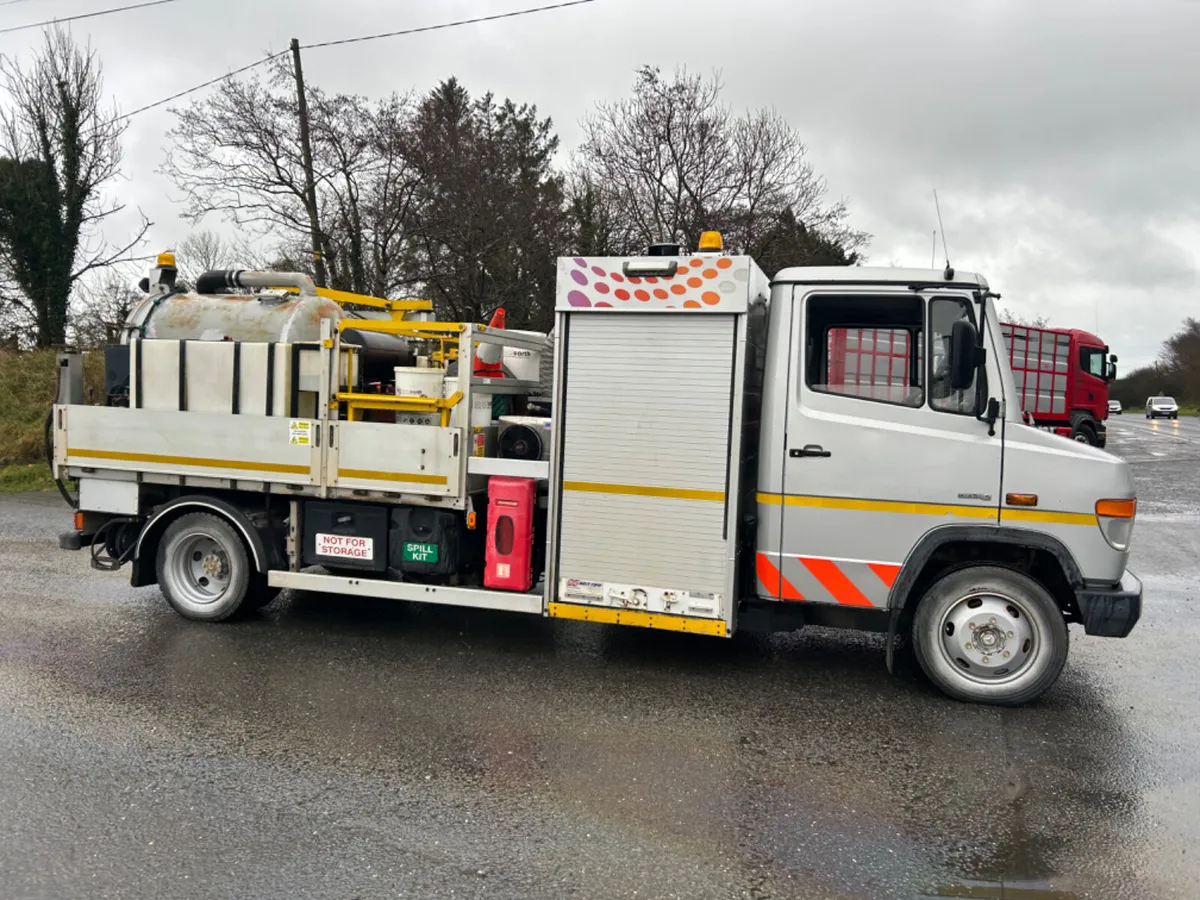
1115	518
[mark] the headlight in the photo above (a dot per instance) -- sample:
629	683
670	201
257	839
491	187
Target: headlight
1116	521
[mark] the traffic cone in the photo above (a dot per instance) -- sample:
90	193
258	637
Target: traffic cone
489	357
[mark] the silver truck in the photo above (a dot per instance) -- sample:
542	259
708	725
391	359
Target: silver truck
708	457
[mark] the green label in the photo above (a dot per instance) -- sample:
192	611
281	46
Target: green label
421	553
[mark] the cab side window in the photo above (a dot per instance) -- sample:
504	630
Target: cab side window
869	348
1091	361
943	313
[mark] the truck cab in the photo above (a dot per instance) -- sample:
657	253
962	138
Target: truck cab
898	487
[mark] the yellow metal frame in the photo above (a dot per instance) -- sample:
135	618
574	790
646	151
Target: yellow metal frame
356	404
398	308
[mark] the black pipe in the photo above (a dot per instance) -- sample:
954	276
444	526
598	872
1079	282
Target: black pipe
218	280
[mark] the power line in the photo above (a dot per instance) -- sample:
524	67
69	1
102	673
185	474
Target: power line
491	18
200	87
91	15
369	37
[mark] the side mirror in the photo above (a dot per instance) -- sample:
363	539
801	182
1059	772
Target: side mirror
964	355
1112	370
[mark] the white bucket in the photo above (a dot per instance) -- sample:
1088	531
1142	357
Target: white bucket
412	381
481	406
522	364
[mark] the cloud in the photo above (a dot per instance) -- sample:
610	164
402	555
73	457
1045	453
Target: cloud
1063	138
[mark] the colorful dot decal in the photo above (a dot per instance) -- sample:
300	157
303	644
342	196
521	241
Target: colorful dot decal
698	282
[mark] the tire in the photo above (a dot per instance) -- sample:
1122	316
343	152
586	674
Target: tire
260	594
1174	415
1004	606
204	569
1084	433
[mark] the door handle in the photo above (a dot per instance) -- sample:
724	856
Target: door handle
810	450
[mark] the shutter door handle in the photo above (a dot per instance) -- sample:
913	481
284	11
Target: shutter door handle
810	450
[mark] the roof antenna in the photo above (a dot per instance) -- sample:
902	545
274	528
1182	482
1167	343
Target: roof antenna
948	274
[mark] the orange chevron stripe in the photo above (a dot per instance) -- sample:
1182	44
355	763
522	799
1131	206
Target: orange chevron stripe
834	580
773	580
887	573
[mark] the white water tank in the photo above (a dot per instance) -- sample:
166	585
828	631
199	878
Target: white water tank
269	317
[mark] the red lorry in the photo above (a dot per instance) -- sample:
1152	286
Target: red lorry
1062	374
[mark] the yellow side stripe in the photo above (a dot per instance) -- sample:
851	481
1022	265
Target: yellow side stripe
889	506
1056	518
638	490
195	461
410	477
609	616
928	509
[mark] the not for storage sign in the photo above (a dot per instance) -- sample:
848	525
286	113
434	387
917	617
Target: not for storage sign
345	546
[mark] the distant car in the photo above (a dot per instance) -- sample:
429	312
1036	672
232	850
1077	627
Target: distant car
1114	407
1162	408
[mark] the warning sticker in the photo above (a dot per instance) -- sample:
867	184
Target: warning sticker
588	591
300	433
345	546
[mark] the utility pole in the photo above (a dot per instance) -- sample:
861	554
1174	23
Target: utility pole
310	186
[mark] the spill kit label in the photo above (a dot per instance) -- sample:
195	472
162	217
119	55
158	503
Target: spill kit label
345	546
420	553
300	433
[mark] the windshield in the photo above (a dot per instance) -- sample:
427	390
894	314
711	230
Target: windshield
1163	400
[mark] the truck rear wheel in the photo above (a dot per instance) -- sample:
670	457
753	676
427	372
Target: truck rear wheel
203	567
990	635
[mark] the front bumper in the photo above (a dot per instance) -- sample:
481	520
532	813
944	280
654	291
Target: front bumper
1111	611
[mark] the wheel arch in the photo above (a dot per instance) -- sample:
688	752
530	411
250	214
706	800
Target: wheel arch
1039	555
148	540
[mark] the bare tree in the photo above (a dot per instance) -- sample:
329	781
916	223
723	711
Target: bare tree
236	153
672	161
61	147
102	304
205	250
1013	318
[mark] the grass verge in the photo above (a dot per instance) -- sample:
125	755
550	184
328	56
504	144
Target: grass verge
25	477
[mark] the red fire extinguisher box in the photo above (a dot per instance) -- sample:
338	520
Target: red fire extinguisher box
512	503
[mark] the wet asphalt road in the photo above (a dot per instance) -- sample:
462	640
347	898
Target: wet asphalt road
337	748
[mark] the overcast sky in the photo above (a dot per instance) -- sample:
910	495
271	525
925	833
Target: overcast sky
1063	137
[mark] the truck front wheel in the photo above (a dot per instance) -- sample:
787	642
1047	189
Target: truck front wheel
990	635
1085	434
203	567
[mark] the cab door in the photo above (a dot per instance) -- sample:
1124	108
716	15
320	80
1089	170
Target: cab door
878	448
